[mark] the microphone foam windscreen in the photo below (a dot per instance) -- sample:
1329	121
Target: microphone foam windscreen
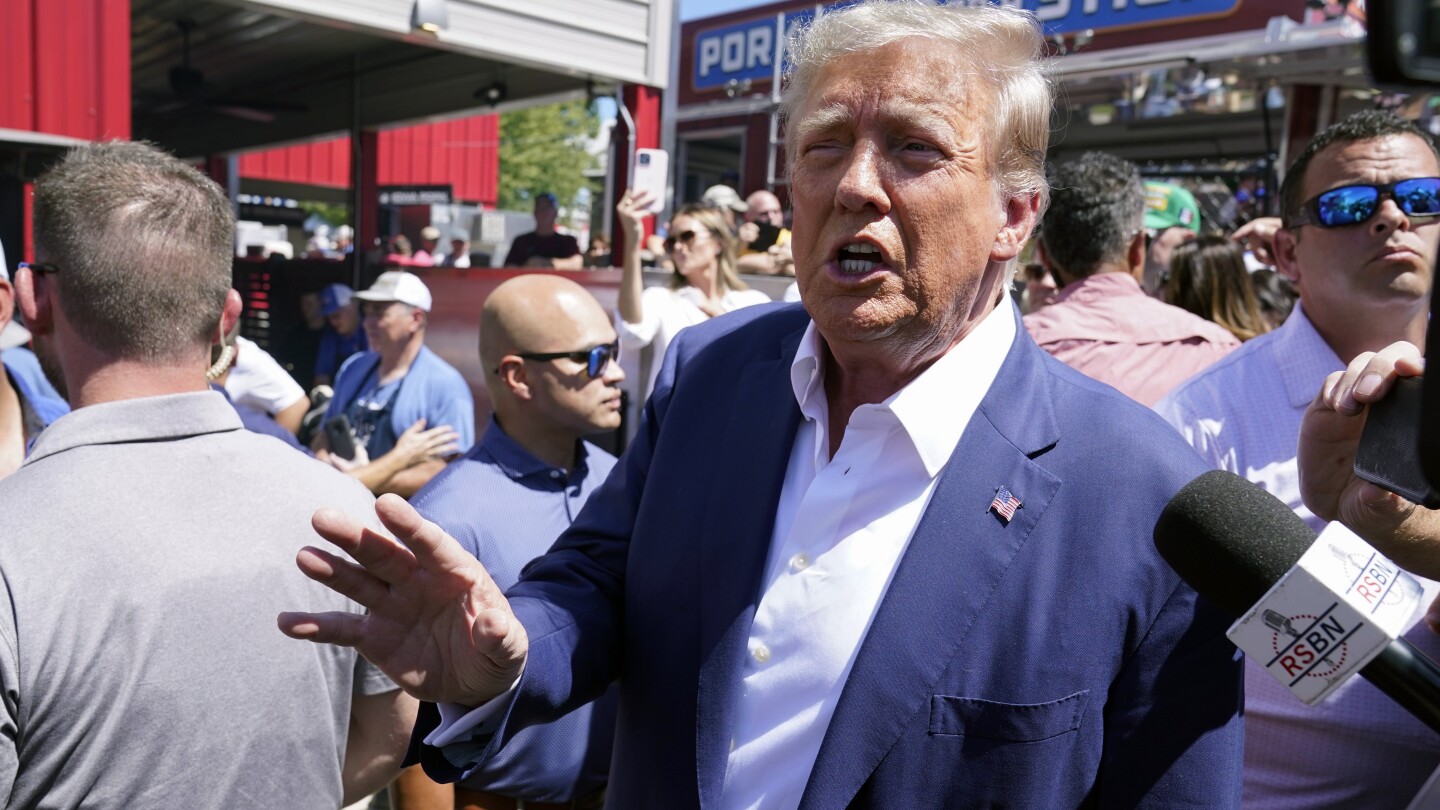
1230	539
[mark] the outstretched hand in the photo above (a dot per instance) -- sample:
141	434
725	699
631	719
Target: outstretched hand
1329	437
437	623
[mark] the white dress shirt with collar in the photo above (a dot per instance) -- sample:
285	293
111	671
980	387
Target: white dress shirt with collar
840	529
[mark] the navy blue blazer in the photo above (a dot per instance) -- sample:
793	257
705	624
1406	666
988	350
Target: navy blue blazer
1052	661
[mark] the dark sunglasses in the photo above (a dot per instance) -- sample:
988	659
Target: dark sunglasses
683	237
39	269
596	360
1352	205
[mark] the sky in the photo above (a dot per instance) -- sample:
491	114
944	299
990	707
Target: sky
699	9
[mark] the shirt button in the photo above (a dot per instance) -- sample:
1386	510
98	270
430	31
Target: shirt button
799	562
556	474
760	653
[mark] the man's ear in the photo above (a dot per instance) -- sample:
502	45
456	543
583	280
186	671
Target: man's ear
1021	212
230	315
36	301
1286	262
7	303
513	377
1135	257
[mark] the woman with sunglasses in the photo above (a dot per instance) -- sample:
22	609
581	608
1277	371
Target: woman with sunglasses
703	285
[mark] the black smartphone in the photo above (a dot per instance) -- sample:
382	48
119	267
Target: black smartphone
340	437
1389	452
768	236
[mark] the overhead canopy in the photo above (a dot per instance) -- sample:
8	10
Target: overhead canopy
264	72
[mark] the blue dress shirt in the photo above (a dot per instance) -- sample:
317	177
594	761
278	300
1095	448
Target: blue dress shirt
506	507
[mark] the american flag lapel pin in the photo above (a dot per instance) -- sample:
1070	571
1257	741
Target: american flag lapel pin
1004	504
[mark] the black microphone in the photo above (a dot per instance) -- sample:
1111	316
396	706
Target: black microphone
1231	541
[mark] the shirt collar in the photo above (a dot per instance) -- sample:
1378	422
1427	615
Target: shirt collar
1306	359
516	461
935	407
1101	285
144	419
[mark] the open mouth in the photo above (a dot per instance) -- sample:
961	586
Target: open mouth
859	258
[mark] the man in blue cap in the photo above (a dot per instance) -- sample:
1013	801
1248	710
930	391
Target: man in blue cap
343	335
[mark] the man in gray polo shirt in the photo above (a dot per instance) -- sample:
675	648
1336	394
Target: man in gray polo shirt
148	539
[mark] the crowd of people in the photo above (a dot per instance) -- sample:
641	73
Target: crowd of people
887	547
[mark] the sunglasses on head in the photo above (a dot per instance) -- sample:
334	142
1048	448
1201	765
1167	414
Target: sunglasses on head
596	360
683	238
1352	205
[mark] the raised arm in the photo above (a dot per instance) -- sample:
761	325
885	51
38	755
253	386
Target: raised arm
630	210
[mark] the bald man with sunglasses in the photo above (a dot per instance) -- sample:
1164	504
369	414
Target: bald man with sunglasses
552	370
1359	237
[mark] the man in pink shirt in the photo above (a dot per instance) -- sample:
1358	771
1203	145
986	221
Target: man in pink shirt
1103	324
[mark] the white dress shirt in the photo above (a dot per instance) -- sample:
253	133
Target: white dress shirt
840	529
1357	749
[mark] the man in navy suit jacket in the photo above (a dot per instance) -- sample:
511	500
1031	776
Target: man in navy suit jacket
878	552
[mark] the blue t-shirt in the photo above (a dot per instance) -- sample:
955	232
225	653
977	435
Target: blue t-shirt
431	390
506	507
335	349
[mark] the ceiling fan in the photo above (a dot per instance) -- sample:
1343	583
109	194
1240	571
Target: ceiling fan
189	91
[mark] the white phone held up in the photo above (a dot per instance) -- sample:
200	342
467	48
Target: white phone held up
652	171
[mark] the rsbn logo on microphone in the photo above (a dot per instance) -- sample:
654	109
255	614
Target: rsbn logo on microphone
1328	616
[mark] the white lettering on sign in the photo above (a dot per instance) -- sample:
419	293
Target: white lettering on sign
1052	10
709	54
759	47
732	51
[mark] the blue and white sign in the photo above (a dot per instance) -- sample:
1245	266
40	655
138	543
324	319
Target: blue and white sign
736	52
748	50
1067	16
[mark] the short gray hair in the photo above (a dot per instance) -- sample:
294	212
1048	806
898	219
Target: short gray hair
1001	45
144	244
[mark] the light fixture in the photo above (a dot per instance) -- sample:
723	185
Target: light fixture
430	16
492	94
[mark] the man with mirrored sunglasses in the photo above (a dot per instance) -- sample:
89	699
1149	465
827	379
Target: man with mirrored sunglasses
518	488
1359	240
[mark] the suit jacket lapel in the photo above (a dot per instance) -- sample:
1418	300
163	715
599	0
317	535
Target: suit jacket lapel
956	557
753	451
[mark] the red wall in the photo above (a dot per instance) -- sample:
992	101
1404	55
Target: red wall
65	67
323	163
464	153
64	70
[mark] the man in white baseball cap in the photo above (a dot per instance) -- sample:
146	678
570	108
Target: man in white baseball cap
404	410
